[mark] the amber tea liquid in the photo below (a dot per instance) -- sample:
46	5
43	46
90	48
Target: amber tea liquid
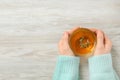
82	42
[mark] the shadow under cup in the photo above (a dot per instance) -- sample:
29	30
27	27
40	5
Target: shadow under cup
83	42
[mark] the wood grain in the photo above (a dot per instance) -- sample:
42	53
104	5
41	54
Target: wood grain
31	29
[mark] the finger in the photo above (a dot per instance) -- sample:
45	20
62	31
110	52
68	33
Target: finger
108	42
65	36
63	40
100	38
72	30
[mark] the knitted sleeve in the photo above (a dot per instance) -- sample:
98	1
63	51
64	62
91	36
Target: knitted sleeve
100	68
67	68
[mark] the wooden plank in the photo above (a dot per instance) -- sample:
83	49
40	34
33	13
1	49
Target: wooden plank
31	29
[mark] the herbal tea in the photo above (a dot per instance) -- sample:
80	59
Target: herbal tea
82	42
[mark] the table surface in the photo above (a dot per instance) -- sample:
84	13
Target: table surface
31	29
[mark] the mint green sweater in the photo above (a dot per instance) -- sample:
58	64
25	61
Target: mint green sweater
100	68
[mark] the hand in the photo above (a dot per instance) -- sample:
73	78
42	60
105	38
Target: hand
63	45
103	45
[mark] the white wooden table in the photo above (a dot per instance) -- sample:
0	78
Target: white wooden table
31	29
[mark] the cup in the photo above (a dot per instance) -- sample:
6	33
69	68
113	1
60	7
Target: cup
82	42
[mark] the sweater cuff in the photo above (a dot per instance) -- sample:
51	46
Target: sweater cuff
68	64
100	63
